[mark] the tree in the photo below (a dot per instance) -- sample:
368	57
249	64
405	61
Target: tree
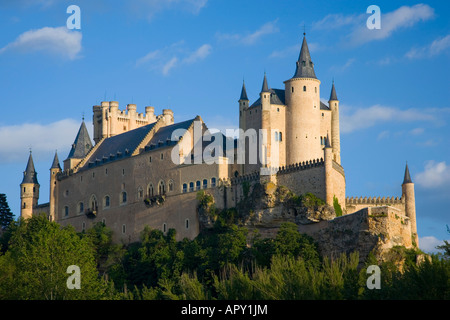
36	263
6	216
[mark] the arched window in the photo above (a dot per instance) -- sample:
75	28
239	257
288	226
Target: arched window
304	88
66	211
150	190
198	185
161	188
140	192
280	136
213	182
184	187
170	185
191	186
93	204
205	183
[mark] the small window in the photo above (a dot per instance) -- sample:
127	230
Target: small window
304	88
104	221
191	186
205	183
34	189
150	190
124	229
184	187
187	223
123	172
140	193
280	136
80	207
150	159
292	88
170	185
24	205
164	227
161	188
24	189
162	156
198	185
106	171
106	202
66	211
123	197
315	89
213	182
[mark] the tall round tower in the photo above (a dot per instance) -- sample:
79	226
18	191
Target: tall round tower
29	190
410	204
302	95
335	132
243	106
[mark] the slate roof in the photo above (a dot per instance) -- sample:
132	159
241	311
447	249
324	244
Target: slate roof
277	96
323	106
305	67
265	86
123	145
407	178
55	164
30	174
333	95
243	93
82	144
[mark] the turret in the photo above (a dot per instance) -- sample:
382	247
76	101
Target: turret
302	95
243	106
265	95
55	169
29	190
333	103
410	203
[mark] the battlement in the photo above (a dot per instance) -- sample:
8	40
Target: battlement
301	166
374	200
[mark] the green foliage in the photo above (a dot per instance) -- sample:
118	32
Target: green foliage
309	200
337	207
35	265
6	216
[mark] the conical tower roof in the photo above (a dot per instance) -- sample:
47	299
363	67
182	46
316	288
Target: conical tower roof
407	178
55	164
82	143
305	66
333	95
30	175
265	86
243	92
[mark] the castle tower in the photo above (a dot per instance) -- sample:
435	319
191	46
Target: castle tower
264	144
335	132
80	148
302	95
410	203
243	105
29	190
328	154
54	170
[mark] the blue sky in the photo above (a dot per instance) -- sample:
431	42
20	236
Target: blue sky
192	55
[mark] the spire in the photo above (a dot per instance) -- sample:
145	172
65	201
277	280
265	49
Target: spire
55	164
30	175
407	178
333	95
243	92
82	143
305	67
265	87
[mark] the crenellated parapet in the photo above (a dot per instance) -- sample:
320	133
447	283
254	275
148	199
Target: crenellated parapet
374	200
304	165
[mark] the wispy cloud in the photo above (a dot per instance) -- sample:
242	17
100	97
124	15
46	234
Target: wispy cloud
403	17
253	37
428	244
165	59
58	41
357	119
42	138
436	47
435	175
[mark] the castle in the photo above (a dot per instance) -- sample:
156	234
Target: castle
146	169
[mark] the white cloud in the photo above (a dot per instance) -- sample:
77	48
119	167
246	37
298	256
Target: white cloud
417	131
251	38
334	21
58	41
15	140
428	244
436	175
436	47
403	17
368	117
345	66
165	59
